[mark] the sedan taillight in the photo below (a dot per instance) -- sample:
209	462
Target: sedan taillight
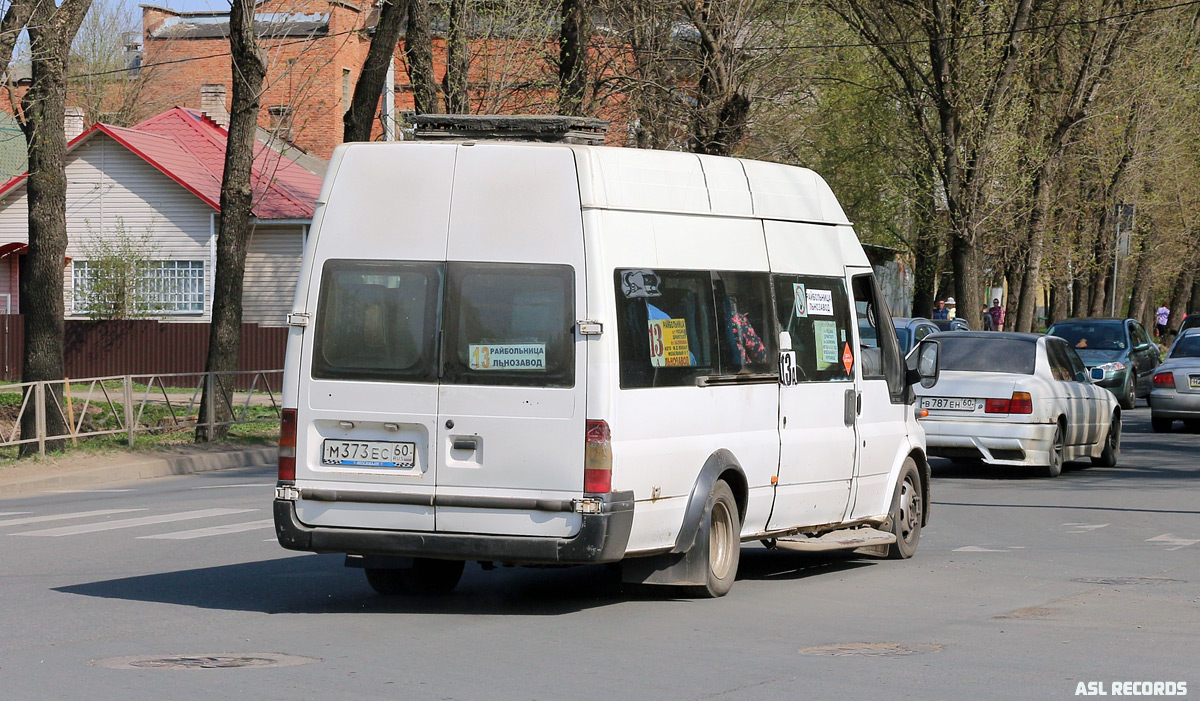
1019	403
1164	379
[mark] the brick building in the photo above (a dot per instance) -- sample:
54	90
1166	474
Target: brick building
315	53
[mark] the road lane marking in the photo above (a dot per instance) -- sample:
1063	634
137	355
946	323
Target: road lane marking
977	549
132	522
90	491
63	517
1173	540
12	513
235	486
1084	527
215	530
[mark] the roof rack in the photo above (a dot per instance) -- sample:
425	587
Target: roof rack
558	129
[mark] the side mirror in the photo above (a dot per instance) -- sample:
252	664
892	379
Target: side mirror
1097	374
1141	346
927	370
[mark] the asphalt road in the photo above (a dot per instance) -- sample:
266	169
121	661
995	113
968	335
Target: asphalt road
1022	587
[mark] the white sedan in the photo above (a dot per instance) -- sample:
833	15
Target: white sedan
1017	399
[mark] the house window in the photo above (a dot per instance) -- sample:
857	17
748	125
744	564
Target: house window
281	121
164	287
347	89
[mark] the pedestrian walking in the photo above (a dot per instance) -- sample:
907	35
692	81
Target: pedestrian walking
1160	321
987	320
940	311
952	310
997	315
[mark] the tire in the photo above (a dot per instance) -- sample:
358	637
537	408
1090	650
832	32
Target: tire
1128	398
1160	424
908	511
723	529
427	577
1112	445
1054	469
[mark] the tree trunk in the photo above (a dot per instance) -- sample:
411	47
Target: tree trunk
926	248
967	285
1179	294
572	57
1079	296
458	59
15	18
51	30
1141	294
1031	280
1060	298
722	109
360	117
224	341
418	54
1194	303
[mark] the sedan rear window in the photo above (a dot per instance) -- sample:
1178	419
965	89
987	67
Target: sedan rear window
974	354
1187	347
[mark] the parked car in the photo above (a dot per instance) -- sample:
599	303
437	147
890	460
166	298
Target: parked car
1017	399
1176	392
1191	321
951	324
1119	347
910	331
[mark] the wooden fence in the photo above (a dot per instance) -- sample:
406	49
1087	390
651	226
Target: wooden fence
102	348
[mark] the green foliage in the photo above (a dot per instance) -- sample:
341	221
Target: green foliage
111	277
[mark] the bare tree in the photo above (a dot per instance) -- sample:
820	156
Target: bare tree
249	70
380	57
51	28
458	59
572	57
418	54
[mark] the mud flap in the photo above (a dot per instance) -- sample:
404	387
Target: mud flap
688	568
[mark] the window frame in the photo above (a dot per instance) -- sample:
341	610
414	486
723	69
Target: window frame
194	302
847	319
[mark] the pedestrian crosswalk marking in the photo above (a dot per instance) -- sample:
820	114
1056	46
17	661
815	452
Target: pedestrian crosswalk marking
214	530
132	522
62	517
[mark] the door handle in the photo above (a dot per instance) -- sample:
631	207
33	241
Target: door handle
464	443
850	408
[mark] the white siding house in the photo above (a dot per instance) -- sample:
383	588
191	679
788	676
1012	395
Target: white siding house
114	191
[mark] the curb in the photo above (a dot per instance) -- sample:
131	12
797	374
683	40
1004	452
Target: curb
148	468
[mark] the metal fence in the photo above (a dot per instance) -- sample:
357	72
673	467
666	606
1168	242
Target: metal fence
131	404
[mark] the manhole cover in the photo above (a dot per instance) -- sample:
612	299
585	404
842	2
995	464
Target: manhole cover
871	649
1125	581
218	661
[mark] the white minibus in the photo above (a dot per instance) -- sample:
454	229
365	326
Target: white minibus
551	354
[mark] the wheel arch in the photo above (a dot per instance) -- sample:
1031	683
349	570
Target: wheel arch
721	465
923	470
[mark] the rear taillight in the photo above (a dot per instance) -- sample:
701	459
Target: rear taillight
1164	379
1019	403
287	445
597	458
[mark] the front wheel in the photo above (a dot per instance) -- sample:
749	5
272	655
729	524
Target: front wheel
908	511
724	542
1112	445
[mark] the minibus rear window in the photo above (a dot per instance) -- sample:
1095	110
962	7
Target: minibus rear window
510	324
378	321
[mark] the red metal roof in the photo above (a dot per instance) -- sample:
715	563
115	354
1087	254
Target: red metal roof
190	149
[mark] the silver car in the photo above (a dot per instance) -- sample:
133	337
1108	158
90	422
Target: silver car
1176	390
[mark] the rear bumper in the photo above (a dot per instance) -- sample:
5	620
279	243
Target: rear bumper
1170	404
994	443
602	537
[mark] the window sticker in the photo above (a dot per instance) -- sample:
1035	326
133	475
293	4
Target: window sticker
669	343
820	302
639	284
507	356
826	333
847	358
801	303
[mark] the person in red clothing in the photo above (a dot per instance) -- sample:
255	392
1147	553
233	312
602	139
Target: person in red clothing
997	314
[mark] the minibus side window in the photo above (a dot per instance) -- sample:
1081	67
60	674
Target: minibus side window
880	351
509	324
815	312
746	337
665	327
377	321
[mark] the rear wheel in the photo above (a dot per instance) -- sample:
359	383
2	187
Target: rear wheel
724	542
1160	424
907	514
1054	469
427	577
1112	445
